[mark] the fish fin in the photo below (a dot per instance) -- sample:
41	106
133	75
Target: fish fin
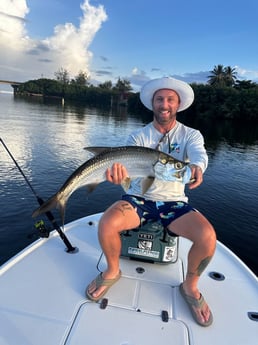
126	183
146	184
91	187
61	207
97	149
47	206
50	204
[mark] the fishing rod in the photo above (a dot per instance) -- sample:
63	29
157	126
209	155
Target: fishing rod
70	248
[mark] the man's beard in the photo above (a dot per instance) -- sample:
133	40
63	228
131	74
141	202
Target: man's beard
163	121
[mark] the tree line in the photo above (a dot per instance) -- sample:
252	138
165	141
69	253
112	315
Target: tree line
223	97
77	89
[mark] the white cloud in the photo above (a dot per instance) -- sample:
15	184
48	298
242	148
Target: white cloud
135	71
12	23
13	38
27	58
246	74
138	78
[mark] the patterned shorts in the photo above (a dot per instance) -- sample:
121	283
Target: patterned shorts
153	211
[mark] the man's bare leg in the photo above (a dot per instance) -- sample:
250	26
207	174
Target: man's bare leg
195	227
119	217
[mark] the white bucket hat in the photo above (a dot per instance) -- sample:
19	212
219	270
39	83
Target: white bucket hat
184	91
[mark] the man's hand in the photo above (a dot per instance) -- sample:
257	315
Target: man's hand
116	174
197	176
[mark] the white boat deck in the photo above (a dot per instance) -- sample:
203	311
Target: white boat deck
42	298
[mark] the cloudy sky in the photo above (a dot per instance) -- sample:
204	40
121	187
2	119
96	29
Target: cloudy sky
136	39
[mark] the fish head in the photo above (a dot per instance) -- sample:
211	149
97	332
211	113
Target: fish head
165	159
170	169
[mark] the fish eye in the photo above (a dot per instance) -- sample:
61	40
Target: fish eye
178	165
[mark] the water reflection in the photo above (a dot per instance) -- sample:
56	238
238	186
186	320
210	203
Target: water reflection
47	140
231	131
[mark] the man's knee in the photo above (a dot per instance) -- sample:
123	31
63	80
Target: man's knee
119	217
195	227
210	235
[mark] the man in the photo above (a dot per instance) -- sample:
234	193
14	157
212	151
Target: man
165	200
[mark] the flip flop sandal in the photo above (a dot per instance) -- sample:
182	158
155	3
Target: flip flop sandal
99	281
197	303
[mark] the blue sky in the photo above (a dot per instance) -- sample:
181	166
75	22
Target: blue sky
137	39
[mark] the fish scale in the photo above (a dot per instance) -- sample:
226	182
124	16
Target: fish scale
138	161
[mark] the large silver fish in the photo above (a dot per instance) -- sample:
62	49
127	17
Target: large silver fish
139	161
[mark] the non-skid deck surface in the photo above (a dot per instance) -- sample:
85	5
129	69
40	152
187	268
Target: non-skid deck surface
42	299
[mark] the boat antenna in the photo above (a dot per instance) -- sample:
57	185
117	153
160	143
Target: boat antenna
70	248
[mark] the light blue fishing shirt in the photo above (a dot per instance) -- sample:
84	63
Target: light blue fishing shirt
181	142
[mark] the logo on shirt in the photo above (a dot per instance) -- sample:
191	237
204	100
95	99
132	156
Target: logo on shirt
175	148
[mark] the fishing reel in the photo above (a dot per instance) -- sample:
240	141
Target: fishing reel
41	228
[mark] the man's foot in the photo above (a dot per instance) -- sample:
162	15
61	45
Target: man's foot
99	287
198	307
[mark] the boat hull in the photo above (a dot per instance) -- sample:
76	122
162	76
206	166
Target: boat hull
42	297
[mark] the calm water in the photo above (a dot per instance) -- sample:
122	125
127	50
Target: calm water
47	141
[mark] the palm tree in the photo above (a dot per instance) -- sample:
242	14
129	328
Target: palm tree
222	76
230	76
217	76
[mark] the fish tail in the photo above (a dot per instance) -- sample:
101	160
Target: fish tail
51	203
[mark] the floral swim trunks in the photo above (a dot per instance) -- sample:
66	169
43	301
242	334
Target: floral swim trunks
150	211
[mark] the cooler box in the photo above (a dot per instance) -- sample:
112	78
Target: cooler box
151	243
